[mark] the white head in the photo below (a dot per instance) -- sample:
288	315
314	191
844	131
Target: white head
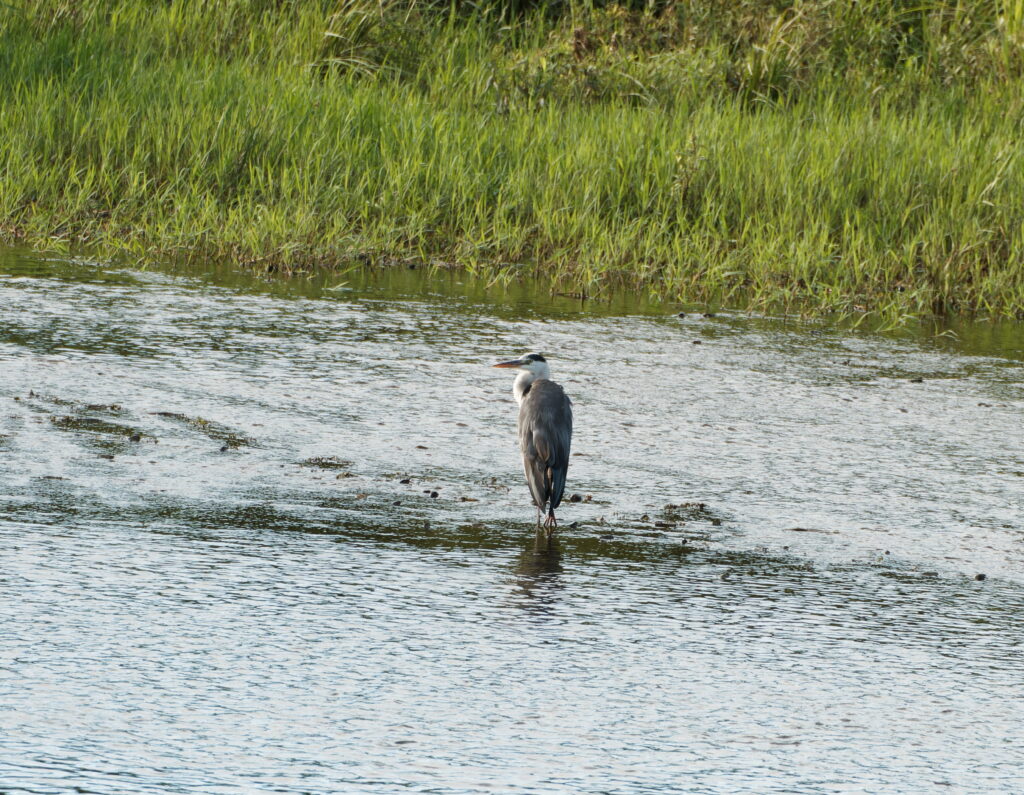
533	363
532	367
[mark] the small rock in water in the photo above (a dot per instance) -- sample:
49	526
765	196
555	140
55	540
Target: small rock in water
405	480
980	577
223	448
575	498
135	438
917	380
396	502
709	314
681	314
421	447
697	342
433	494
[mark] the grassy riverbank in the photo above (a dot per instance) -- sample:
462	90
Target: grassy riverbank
822	157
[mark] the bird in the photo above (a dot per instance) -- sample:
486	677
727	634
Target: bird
545	433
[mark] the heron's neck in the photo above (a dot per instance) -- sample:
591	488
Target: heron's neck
523	381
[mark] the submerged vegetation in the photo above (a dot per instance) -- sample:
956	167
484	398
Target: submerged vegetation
839	156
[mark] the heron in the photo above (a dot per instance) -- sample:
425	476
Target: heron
545	433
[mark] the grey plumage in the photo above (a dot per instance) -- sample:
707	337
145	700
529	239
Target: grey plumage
545	436
545	432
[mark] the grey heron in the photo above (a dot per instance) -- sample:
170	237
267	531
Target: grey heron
545	432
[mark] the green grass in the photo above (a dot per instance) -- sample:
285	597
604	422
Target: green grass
833	157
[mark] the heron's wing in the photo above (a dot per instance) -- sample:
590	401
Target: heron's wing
536	477
545	436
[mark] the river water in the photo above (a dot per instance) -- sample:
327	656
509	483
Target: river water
274	537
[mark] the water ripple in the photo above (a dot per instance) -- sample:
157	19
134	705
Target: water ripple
215	580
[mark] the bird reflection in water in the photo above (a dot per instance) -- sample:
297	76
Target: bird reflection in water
537	573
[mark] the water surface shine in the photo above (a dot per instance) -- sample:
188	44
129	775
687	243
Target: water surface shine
214	579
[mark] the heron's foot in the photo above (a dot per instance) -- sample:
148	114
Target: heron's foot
550	524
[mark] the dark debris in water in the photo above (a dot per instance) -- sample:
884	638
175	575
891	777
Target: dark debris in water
76	405
907	576
672	520
96	425
109	437
213	430
756	563
326	462
691	512
112	408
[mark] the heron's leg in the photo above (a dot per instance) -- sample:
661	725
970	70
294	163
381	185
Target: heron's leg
551	523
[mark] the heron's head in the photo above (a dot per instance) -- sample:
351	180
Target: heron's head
533	363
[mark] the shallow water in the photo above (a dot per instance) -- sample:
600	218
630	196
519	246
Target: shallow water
215	580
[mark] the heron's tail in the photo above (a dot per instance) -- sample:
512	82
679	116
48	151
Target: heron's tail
556	485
